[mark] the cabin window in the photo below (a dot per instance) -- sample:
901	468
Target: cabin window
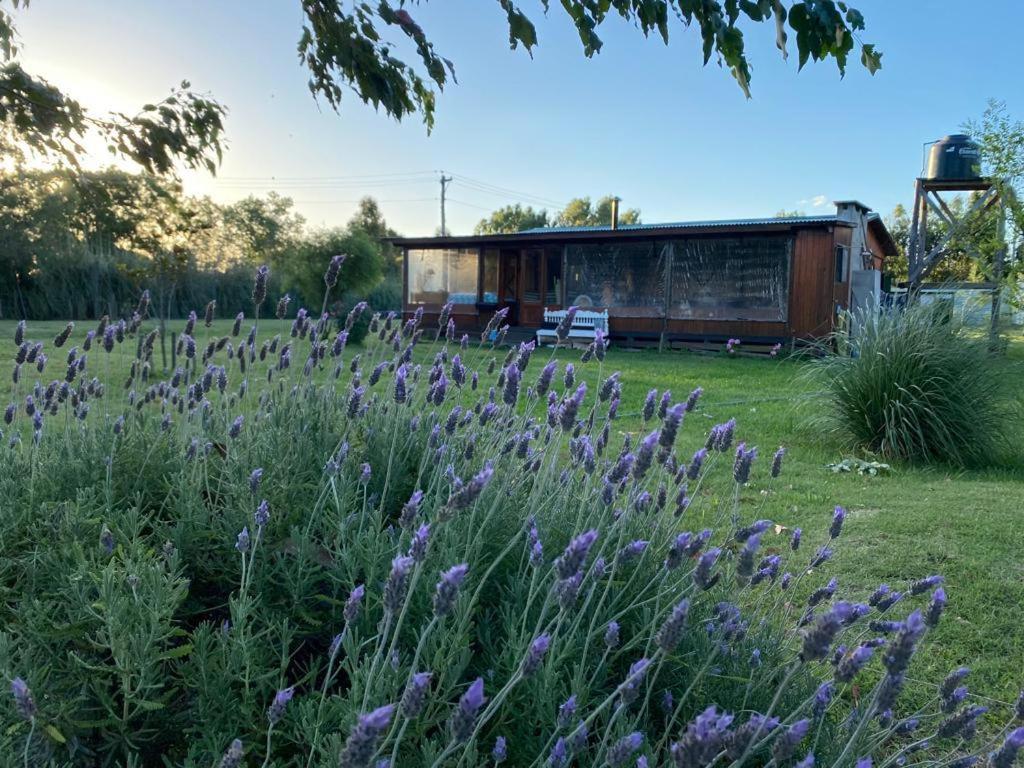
553	279
730	278
531	276
842	253
489	276
628	277
440	275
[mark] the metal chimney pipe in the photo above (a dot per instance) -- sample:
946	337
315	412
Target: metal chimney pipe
615	212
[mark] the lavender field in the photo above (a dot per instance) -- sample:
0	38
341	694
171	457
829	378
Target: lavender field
424	551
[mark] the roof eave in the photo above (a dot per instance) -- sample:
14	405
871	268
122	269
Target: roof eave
650	233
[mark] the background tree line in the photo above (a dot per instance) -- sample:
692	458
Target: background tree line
79	244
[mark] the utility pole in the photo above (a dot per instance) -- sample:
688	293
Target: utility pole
445	181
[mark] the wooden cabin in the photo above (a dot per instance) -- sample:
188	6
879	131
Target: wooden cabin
758	280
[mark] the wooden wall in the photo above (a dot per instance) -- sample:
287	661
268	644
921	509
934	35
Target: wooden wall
811	281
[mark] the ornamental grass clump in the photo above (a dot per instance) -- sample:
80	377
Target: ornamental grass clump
433	554
910	385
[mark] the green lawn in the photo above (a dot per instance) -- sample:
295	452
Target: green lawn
968	526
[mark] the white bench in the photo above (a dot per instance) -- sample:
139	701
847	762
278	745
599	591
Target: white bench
582	329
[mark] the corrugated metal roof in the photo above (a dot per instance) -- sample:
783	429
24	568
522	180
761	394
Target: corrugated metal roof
683	225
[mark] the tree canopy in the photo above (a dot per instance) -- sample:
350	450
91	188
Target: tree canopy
512	218
346	46
581	212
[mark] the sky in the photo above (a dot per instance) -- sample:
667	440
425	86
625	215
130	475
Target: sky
641	120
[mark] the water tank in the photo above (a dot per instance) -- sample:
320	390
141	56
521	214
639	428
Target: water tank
954	158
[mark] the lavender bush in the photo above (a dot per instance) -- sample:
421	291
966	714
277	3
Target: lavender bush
430	551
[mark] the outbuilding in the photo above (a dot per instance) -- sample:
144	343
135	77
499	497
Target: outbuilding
759	280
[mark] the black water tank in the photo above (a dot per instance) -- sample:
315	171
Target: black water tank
955	157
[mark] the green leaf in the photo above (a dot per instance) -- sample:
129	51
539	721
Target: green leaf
54	734
177	652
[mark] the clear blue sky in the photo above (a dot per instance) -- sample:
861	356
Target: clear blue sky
641	120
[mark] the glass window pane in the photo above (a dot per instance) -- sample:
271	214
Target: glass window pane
489	277
510	275
553	279
628	277
440	275
734	278
531	276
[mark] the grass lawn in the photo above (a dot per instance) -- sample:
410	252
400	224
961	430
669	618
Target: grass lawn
905	525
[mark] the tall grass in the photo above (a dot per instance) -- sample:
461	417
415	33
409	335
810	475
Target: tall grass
911	385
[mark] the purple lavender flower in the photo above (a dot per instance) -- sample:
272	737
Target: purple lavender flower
645	455
670	427
354	604
448	589
624	748
569	376
838	517
567	712
741	465
650	403
1018	709
611	635
464	718
629	688
745	561
107	541
418	545
1007	753
559	756
951	682
259	287
671	631
415	695
787	742
570	406
333	268
702	576
255	478
754	529
821	594
19	333
276	709
901	649
23	701
962	724
500	750
535	655
818	639
242	542
362	741
575	554
470	492
397	584
233	757
704	738
693	471
631	552
510	393
236	427
822	555
853	662
262	514
923	585
935	607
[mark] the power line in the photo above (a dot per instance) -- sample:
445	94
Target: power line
471	205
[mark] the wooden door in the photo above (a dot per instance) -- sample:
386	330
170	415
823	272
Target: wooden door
508	284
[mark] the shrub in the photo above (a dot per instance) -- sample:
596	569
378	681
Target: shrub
909	385
449	562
